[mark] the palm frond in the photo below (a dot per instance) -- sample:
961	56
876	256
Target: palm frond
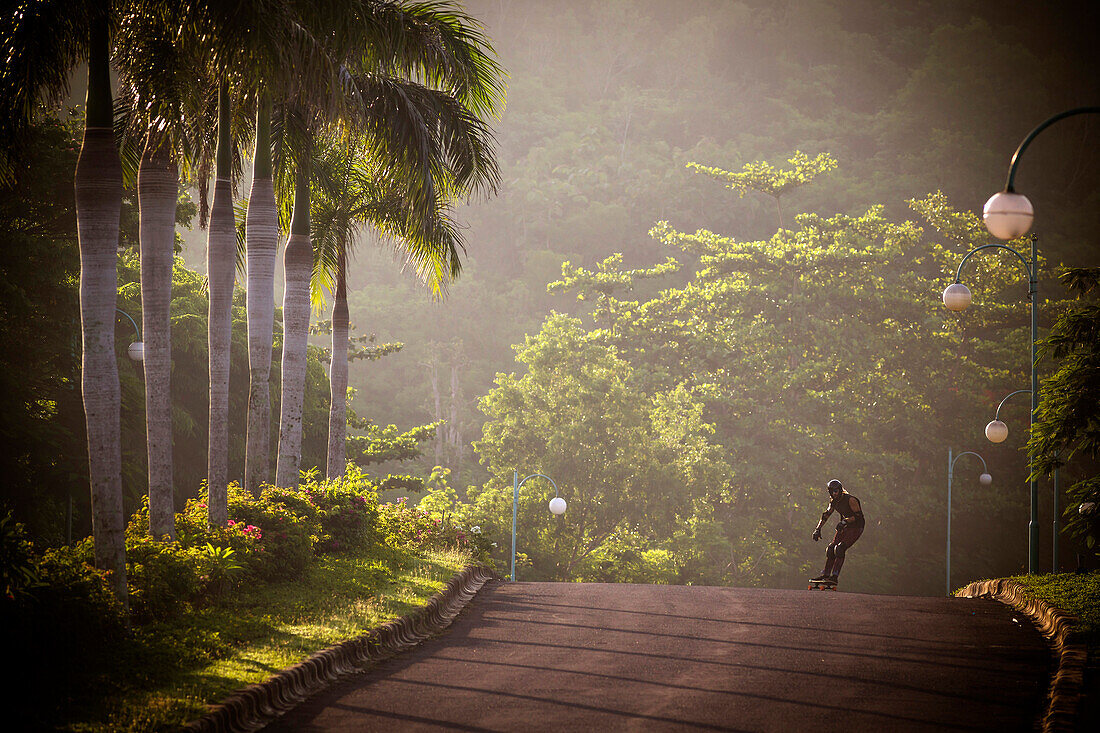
40	42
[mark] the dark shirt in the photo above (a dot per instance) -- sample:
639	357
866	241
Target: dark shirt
842	505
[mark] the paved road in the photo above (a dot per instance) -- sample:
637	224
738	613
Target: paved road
595	657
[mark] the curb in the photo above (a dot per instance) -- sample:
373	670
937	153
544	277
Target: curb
1065	686
258	705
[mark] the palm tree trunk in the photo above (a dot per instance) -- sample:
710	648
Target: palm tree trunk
98	189
338	375
158	181
221	252
261	238
298	269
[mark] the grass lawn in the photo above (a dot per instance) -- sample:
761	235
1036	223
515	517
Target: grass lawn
1078	594
168	671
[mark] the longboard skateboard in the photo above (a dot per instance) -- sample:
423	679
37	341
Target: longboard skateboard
821	585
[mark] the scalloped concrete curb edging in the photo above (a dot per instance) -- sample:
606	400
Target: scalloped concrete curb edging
258	705
1058	626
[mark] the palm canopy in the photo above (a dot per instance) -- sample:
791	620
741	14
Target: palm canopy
352	190
419	80
439	45
41	43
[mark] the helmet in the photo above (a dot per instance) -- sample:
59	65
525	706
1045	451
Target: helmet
835	487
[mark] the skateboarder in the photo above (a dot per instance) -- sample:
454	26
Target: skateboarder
847	531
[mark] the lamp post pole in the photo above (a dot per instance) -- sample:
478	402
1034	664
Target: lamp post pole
985	479
996	431
557	507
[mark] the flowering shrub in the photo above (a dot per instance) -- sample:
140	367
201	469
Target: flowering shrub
406	526
282	545
347	509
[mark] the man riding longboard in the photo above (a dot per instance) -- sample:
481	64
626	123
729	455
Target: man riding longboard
847	532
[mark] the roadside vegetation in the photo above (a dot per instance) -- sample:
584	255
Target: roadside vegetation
1074	593
294	572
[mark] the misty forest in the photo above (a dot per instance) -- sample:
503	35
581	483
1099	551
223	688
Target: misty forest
684	259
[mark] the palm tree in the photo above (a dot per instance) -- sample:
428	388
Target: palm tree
336	456
158	186
41	44
427	143
353	190
158	65
297	267
261	237
221	251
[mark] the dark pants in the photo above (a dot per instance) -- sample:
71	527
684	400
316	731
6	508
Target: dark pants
834	553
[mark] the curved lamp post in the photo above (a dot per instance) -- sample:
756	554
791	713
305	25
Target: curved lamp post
1009	215
957	297
996	432
136	350
557	508
985	480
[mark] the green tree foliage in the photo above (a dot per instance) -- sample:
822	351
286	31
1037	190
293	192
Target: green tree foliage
1067	432
614	99
624	459
820	352
40	406
765	178
388	443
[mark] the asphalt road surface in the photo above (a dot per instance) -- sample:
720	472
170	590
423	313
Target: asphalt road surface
596	657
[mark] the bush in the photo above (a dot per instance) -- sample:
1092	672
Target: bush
58	634
405	526
347	509
626	557
70	610
272	540
162	575
17	572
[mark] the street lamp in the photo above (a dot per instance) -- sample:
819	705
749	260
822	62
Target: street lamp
957	297
136	350
985	479
996	431
1009	215
557	508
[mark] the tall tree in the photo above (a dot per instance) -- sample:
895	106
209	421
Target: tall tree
160	58
42	42
297	268
221	251
424	142
158	185
261	239
336	460
98	205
